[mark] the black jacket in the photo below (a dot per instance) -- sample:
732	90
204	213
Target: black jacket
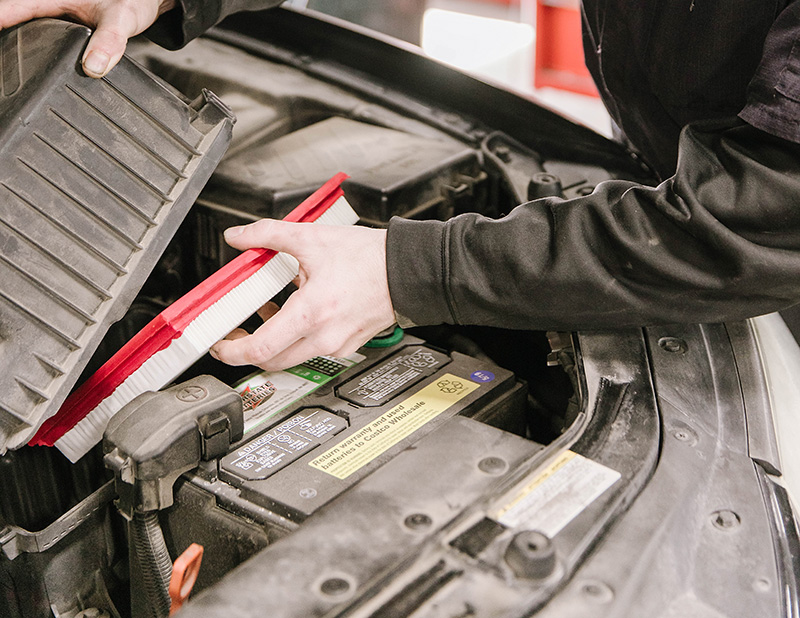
709	92
191	18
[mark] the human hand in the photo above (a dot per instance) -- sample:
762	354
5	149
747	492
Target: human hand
113	21
342	299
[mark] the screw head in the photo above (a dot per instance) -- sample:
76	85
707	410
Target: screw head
308	493
725	519
418	521
673	345
685	435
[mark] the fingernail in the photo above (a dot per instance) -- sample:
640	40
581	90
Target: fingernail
96	64
213	353
233	232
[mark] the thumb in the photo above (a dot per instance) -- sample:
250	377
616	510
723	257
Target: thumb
271	234
114	25
103	51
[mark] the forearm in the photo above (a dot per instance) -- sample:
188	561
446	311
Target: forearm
191	18
720	240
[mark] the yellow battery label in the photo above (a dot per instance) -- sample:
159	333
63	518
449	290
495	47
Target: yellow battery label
361	447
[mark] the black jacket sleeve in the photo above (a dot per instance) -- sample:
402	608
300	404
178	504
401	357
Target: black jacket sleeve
720	240
191	18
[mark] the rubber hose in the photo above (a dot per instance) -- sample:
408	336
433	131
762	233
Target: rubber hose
154	561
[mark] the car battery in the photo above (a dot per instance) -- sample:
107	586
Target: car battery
314	430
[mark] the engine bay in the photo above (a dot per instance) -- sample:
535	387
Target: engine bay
345	467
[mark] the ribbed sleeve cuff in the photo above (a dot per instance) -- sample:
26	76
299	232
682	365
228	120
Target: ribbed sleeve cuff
416	268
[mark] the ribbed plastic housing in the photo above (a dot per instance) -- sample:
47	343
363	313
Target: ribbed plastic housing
95	177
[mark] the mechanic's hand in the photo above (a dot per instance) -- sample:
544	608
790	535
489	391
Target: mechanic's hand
342	299
114	22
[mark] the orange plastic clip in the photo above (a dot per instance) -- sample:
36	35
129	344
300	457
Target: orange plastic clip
184	575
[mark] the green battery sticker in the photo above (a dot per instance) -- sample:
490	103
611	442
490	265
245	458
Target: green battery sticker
266	393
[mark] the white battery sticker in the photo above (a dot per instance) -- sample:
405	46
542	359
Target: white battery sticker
266	393
557	495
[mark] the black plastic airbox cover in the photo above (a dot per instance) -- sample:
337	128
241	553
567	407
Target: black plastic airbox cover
95	177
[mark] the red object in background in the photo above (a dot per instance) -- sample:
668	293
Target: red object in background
559	48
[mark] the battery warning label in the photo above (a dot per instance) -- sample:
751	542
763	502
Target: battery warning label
360	448
557	495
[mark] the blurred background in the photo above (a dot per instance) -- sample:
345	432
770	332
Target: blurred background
531	46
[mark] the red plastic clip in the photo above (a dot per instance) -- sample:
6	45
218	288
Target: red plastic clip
184	575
